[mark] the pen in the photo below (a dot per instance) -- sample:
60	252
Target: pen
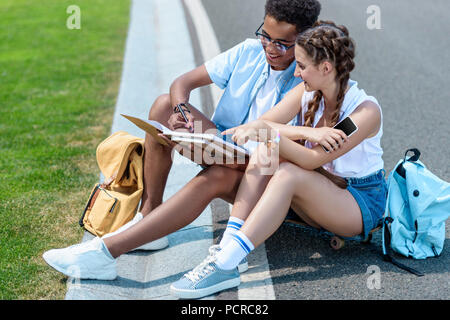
180	109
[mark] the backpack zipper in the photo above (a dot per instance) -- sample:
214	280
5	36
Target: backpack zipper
87	206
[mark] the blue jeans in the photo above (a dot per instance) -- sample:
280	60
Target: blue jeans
370	193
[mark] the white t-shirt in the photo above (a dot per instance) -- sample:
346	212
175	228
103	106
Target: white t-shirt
365	158
264	101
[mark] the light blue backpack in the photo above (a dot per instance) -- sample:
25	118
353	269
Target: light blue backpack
417	207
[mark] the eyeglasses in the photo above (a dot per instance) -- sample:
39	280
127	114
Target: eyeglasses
265	40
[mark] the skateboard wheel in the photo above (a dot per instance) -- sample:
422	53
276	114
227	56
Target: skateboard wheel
337	243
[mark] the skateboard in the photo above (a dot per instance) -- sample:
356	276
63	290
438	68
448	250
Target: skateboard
336	242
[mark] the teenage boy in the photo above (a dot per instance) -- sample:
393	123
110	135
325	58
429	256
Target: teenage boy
255	75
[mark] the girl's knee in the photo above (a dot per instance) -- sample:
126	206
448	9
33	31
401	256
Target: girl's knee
287	170
291	174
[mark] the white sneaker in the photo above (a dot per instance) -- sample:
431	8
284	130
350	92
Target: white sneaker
157	244
86	260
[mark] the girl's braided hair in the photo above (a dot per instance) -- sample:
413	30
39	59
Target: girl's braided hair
326	41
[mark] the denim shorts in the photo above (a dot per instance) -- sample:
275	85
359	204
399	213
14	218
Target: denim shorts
370	193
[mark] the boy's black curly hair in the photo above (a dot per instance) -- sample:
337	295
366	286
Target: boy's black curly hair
301	13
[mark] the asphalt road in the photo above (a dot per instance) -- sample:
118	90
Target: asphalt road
405	66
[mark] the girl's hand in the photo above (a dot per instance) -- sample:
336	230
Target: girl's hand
331	139
256	130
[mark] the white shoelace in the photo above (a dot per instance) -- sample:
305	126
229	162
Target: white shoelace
214	249
202	269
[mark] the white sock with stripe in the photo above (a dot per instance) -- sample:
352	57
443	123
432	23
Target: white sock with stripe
234	251
233	226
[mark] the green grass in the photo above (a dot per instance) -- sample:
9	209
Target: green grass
57	94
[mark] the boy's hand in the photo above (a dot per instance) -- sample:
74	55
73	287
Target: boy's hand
176	121
167	140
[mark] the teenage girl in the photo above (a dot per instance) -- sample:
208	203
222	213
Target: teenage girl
342	191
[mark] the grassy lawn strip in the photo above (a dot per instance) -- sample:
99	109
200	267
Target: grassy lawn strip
57	94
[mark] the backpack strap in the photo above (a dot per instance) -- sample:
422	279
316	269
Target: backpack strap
109	181
400	170
415	157
386	248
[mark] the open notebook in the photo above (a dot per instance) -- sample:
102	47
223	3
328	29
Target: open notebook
215	146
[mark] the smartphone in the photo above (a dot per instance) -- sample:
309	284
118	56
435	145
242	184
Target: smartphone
347	125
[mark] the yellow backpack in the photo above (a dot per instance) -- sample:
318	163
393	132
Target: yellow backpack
114	202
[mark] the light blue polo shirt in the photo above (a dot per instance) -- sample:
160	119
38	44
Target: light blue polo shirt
242	71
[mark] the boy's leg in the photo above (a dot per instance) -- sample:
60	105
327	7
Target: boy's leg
180	210
96	259
157	158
